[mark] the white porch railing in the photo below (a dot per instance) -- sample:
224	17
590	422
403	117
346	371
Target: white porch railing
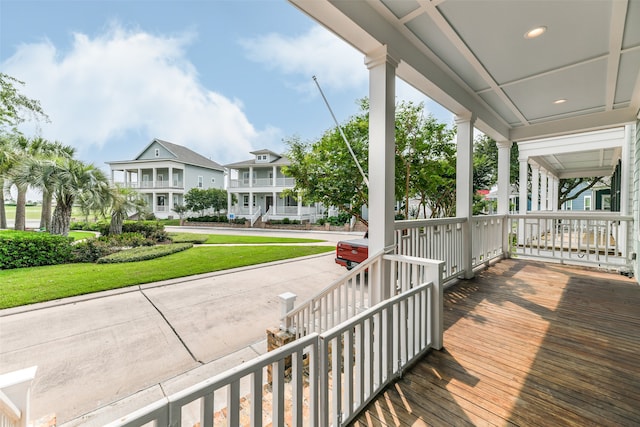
256	215
333	375
440	239
586	239
15	389
488	233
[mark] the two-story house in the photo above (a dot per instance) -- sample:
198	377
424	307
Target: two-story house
164	172
259	186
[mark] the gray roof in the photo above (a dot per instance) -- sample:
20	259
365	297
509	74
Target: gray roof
182	154
282	160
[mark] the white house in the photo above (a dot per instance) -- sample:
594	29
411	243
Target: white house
259	186
163	172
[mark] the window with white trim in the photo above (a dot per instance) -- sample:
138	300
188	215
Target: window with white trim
200	181
157	152
587	203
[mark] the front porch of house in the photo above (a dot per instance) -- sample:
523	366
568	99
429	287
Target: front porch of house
526	343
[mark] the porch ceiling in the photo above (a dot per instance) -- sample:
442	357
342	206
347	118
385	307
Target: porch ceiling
473	56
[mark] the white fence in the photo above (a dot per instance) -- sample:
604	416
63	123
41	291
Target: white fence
488	236
333	375
588	239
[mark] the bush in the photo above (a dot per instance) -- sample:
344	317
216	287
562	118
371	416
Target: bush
153	230
144	253
341	219
20	249
321	221
88	226
188	238
241	220
91	250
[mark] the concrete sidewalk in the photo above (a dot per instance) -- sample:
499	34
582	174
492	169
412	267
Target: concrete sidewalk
149	340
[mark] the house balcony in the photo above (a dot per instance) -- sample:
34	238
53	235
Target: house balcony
262	183
153	185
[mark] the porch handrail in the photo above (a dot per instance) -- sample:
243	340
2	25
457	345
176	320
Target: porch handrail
434	238
256	215
595	239
339	301
336	373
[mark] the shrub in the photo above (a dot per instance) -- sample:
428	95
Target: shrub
153	230
91	250
20	249
321	221
144	253
188	238
241	220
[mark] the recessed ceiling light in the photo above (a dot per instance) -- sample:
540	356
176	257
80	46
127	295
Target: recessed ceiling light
560	101
535	32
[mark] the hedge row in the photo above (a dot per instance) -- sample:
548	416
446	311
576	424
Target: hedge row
19	249
143	253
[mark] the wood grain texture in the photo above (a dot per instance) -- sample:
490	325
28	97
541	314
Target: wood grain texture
526	343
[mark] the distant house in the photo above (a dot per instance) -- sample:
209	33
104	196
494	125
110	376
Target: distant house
598	198
163	172
259	186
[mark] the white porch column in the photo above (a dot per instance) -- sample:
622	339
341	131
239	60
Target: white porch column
504	178
139	178
170	176
299	204
228	203
170	201
555	182
535	186
544	185
464	187
382	91
154	177
275	203
250	176
275	176
504	189
250	200
523	185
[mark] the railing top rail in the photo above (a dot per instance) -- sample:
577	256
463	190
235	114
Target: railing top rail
492	216
612	216
338	329
349	275
414	223
415	260
234	374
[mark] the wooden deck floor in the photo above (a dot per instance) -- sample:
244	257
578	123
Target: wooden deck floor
528	344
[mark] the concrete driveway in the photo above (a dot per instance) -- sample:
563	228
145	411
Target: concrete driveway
94	350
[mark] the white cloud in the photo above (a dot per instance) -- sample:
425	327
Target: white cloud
316	53
128	81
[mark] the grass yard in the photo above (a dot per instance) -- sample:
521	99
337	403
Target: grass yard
223	239
37	284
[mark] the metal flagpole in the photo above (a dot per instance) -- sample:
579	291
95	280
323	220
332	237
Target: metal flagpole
364	177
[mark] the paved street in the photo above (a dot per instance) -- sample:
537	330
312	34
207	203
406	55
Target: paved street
91	351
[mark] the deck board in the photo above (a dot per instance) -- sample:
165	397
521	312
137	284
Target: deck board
526	343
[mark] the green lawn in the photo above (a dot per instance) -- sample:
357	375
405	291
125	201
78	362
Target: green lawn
223	239
37	284
80	235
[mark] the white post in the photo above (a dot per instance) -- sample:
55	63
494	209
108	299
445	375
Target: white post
275	176
535	186
464	187
504	189
544	185
523	184
382	90
287	300
170	176
504	172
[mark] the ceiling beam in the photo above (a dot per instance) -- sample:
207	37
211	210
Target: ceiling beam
616	31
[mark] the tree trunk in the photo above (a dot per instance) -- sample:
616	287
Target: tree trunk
61	219
115	227
45	217
21	203
3	213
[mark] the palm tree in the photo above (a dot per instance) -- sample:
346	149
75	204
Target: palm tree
54	149
123	201
74	180
7	160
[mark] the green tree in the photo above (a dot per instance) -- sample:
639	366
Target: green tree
324	170
123	201
579	185
197	200
74	179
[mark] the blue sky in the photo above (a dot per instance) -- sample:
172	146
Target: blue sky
220	77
